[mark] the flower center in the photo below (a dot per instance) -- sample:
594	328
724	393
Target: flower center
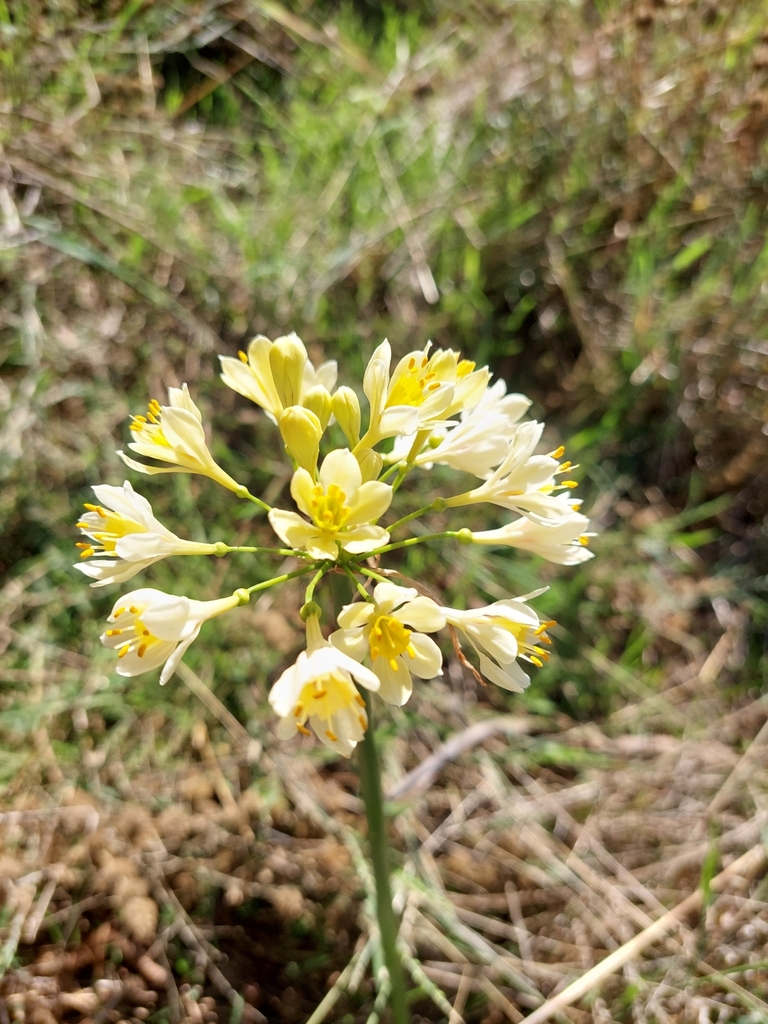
413	385
113	527
329	509
529	640
388	639
135	635
325	697
149	427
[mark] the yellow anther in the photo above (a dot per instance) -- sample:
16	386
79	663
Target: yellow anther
536	661
298	709
584	539
359	700
424	362
141	419
133	610
434	387
123	650
81	525
412	363
303	729
363	721
319	694
114	632
82	544
544	639
152	418
87	552
515	494
95	508
410	651
242	357
375	652
544	625
331	736
558	452
118	612
142	650
393	664
570	484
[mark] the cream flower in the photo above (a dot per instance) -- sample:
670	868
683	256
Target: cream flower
476	443
173	434
564	543
277	374
340	506
150	627
524	482
500	634
379	629
127	531
319	688
414	396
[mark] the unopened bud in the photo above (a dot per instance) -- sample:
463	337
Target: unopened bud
346	409
370	463
287	359
301	431
318	401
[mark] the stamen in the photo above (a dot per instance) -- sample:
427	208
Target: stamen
412	363
393	664
303	729
319	694
298	709
331	736
242	357
96	508
434	387
115	632
536	661
117	613
359	700
557	453
123	650
570	484
363	721
133	610
142	650
87	552
584	539
544	639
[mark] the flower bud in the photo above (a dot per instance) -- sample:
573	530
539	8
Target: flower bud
287	359
301	431
318	401
370	463
346	409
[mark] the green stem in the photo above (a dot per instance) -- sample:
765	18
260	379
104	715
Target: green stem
257	501
437	504
411	542
309	593
279	579
245	550
373	575
396	467
357	584
370	784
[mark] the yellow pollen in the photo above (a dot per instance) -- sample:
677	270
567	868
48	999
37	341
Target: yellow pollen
82	544
537	662
152	418
123	650
87	552
242	357
410	651
329	509
558	452
570	484
544	639
583	539
141	419
303	729
133	610
114	632
298	709
412	363
96	508
424	362
392	639
544	625
118	612
142	650
331	736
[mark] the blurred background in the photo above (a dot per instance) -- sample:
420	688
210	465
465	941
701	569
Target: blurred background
573	193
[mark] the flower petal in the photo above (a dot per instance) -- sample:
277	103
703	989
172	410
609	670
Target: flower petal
510	678
396	683
428	659
363	538
370	502
423	614
340	467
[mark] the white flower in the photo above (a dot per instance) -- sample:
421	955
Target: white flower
414	396
379	629
319	688
564	543
340	506
501	633
150	627
173	434
524	482
475	444
276	374
127	530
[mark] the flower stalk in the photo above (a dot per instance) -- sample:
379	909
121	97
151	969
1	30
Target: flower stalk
378	844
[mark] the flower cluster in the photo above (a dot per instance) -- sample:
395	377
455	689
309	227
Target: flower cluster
433	408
